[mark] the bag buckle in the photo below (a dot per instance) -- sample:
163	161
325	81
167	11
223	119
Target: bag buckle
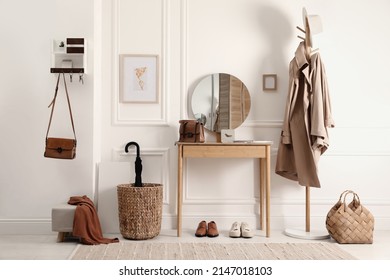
190	134
59	150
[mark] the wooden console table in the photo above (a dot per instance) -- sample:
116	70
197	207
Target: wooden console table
260	150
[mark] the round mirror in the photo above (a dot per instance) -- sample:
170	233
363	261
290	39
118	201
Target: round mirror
220	101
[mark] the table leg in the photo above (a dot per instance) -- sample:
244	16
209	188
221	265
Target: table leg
179	189
268	189
261	202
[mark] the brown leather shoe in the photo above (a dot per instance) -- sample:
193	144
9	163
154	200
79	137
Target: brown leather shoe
201	231
212	229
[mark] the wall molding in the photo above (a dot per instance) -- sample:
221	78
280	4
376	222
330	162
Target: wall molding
326	201
184	58
356	154
278	223
218	201
117	118
184	107
119	155
25	226
275	201
263	123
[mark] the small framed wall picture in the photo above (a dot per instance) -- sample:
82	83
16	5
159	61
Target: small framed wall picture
138	78
270	82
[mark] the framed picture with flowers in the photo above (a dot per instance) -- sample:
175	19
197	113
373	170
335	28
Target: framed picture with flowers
138	79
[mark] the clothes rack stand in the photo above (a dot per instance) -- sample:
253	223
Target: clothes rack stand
307	233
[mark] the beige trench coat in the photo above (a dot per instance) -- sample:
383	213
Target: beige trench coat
304	134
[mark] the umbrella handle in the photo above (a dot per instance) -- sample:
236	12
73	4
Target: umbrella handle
138	164
132	143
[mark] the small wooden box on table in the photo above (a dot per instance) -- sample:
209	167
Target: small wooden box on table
257	149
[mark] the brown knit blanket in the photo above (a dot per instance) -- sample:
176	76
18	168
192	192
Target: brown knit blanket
86	224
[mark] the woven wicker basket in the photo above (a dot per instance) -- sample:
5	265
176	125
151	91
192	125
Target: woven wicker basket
140	210
352	223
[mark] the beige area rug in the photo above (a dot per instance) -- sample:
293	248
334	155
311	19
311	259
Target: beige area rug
210	251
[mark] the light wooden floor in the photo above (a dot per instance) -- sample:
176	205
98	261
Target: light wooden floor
45	247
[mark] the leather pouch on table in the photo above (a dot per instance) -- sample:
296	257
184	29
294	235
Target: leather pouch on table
191	131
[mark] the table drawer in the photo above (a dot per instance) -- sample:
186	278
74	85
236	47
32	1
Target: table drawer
203	151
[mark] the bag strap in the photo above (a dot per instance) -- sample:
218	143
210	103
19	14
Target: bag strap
70	108
53	103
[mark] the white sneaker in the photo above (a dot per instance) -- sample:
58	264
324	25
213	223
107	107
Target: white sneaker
235	230
246	231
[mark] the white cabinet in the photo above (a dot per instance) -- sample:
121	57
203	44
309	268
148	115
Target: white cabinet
69	56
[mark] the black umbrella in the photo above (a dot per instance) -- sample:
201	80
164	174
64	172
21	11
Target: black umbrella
138	164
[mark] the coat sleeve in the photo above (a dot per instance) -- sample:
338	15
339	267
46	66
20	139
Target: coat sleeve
286	134
321	116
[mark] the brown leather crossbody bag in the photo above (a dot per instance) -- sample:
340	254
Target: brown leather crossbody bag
60	148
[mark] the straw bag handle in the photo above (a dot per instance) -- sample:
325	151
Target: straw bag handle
356	199
344	193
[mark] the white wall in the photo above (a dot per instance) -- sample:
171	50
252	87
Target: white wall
29	183
247	38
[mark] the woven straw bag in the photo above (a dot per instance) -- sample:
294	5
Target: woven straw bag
140	210
352	223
